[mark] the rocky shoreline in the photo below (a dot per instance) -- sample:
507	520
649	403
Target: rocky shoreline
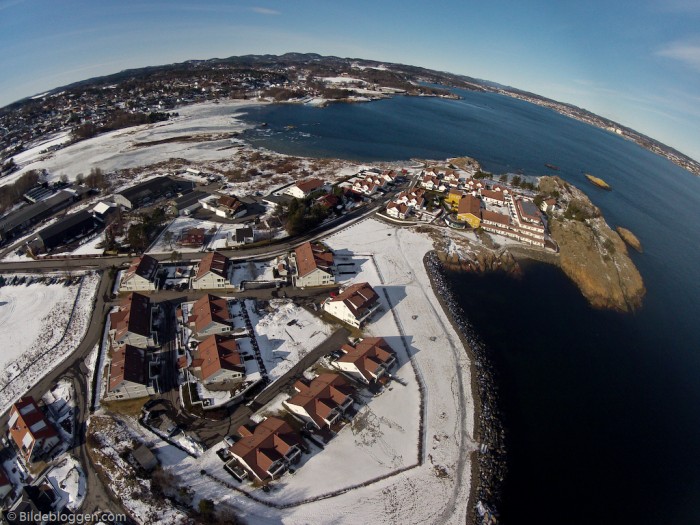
489	462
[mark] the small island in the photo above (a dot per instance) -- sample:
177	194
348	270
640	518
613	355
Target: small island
597	181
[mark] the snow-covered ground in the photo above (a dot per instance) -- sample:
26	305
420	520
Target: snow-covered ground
175	229
384	438
122	148
251	271
47	335
25	314
68	481
282	345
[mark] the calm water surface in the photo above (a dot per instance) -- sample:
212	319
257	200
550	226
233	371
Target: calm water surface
602	410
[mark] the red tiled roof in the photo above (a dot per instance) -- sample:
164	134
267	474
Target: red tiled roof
359	298
230	202
495	195
321	395
193	237
469	204
219	353
309	185
128	364
144	266
493	216
212	262
30	421
207	309
266	443
133	316
367	355
309	257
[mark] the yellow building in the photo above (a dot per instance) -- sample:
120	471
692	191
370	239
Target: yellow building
453	198
469	211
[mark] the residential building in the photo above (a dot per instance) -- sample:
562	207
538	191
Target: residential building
321	401
398	210
217	361
208	315
132	323
493	196
227	206
267	450
213	272
453	198
132	373
469	210
312	265
186	204
355	305
192	238
368	360
31	431
141	275
304	188
149	191
242	236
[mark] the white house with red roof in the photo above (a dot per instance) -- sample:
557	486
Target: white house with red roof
132	323
141	275
267	450
354	305
312	265
218	361
31	431
213	272
398	210
132	374
304	188
321	401
368	361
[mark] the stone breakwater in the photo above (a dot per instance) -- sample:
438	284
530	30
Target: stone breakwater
490	463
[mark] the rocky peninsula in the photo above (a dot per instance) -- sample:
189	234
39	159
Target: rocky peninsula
590	253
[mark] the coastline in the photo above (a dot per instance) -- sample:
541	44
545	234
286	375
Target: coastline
488	466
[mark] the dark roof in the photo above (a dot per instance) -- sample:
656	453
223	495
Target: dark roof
243	233
67	225
188	199
133	316
157	185
39	209
128	364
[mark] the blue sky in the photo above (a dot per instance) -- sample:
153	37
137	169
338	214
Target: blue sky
637	62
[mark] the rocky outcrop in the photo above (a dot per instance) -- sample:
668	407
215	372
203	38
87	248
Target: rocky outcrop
480	261
592	254
630	238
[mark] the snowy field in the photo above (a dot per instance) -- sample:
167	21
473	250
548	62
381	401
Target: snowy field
121	149
68	481
282	345
383	439
40	328
26	312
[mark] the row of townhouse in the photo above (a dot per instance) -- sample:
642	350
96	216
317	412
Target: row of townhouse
405	203
213	272
134	369
372	181
267	450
